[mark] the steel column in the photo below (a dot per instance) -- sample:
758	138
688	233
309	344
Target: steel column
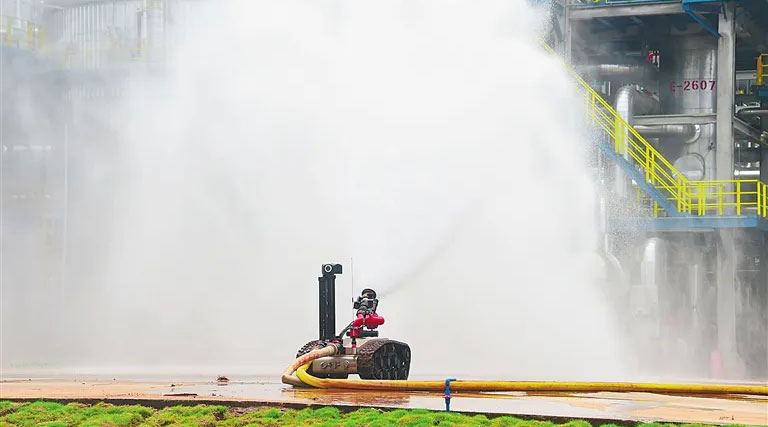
732	364
640	9
567	34
726	81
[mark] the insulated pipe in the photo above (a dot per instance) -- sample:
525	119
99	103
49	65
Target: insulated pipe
618	71
750	173
629	103
529	386
644	306
289	378
692	132
752	112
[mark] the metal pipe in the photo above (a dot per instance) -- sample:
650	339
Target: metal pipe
751	112
654	264
630	102
751	173
691	132
644	310
620	71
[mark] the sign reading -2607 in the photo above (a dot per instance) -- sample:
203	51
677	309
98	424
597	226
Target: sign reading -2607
686	85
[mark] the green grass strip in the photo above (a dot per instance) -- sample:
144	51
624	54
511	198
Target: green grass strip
49	414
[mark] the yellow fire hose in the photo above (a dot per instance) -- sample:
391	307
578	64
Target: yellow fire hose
528	386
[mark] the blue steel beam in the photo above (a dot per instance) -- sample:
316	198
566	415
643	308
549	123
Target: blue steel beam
688	223
689	10
762	92
702	22
711	6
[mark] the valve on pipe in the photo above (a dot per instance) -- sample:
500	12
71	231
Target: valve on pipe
362	351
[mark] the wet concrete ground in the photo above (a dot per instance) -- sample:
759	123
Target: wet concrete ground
751	410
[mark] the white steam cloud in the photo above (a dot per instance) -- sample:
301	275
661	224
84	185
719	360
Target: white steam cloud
431	142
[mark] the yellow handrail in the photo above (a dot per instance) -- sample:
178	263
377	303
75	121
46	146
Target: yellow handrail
20	33
713	197
762	69
629	143
689	197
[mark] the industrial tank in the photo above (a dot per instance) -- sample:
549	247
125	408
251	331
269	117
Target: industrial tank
689	86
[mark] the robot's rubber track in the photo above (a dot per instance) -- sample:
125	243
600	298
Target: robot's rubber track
383	360
317	344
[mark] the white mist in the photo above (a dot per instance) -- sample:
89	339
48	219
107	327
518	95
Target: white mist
432	142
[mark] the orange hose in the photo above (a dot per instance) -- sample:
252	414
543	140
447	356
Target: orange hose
289	378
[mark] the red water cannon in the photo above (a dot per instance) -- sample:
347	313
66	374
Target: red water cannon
366	320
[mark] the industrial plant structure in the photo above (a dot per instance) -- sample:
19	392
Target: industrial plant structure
677	92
